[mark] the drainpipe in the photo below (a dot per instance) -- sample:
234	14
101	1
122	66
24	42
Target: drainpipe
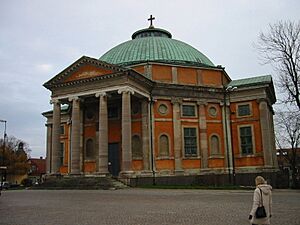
151	140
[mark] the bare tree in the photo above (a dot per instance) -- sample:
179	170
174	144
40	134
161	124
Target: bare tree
281	48
288	140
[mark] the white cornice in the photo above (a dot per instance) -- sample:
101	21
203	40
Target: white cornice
118	88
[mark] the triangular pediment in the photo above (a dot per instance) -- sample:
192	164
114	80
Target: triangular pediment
84	68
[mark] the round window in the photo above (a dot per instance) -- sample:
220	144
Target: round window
163	109
212	111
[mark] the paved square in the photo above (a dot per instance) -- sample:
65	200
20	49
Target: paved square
141	207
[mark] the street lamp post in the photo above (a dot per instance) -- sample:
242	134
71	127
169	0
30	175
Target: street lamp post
230	158
3	151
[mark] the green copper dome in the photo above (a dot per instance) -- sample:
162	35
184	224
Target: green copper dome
154	45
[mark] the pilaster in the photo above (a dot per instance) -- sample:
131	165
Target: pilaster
177	134
265	132
174	75
203	134
55	137
145	133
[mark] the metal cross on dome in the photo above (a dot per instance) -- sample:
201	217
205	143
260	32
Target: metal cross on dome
151	20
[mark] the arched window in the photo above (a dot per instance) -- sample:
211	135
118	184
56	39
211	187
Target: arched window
89	149
163	145
214	145
136	147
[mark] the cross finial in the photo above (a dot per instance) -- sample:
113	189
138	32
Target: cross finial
151	19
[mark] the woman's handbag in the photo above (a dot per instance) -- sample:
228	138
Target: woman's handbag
260	211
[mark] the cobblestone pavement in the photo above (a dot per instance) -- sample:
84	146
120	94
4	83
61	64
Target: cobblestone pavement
141	207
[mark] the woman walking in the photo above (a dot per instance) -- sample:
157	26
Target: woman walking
262	196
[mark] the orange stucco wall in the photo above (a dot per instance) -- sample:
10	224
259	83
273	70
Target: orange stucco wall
163	124
139	69
186	75
164	164
253	121
216	163
89	167
137	165
162	73
191	163
211	77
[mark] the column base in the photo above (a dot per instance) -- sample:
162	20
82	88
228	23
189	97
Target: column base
179	172
102	174
127	174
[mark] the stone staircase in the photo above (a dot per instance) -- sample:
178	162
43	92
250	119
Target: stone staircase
81	183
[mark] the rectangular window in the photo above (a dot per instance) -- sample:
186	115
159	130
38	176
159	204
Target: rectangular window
61	153
244	110
188	110
190	142
246	140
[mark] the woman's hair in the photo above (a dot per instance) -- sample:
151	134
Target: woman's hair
260	180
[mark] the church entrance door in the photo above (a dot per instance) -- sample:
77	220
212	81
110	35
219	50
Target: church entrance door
113	159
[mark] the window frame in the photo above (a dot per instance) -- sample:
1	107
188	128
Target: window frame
141	147
167	109
208	111
252	139
94	149
62	153
197	143
242	104
219	152
169	146
189	104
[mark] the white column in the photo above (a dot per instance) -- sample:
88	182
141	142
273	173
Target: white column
75	136
103	133
55	137
49	148
126	129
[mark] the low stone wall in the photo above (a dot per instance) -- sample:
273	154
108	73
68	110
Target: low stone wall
243	179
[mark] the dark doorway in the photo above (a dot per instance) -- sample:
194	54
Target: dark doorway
113	159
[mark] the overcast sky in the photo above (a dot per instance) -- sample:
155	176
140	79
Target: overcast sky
38	39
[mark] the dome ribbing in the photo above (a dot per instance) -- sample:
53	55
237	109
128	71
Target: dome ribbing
154	45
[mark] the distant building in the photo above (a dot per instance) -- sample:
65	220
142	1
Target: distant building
156	107
37	169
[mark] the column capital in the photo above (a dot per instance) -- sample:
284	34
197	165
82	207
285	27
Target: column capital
126	90
201	102
54	101
259	100
72	98
100	94
175	100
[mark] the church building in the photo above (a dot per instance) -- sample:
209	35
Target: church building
156	108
